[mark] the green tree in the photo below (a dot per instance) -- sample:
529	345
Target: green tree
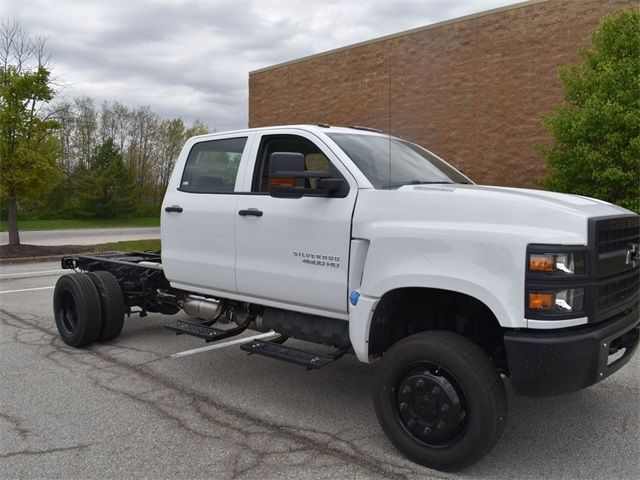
197	128
169	140
28	148
597	131
106	187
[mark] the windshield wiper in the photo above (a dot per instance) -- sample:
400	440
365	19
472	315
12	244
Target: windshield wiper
421	182
415	182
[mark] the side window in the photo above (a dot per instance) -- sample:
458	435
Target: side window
212	167
314	159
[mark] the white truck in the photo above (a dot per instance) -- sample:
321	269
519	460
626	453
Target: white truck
376	247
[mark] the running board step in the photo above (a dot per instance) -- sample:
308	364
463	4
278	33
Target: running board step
209	334
291	355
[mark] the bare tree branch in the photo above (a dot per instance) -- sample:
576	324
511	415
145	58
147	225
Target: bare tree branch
38	49
19	51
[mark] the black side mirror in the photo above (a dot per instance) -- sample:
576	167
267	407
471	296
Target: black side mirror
289	179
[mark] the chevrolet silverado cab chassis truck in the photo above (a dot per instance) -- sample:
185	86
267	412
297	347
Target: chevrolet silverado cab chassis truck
374	246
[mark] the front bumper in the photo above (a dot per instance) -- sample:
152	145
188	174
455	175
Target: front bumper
554	363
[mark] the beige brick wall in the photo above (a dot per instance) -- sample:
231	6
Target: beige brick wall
472	91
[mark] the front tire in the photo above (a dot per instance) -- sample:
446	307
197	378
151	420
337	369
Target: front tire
440	400
76	308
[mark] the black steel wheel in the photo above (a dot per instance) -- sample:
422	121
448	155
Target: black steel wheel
111	303
431	404
440	400
76	308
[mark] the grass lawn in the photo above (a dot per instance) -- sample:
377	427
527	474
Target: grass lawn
129	246
97	223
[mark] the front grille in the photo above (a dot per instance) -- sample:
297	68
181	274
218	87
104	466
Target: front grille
619	291
614	239
616	279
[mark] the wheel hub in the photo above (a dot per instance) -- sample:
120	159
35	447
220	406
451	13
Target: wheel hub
68	314
430	406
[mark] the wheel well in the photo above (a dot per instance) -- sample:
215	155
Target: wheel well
405	311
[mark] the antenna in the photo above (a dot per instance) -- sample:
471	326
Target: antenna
389	106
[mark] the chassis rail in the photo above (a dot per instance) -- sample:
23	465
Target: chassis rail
140	276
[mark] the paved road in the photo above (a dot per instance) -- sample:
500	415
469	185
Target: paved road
83	236
127	410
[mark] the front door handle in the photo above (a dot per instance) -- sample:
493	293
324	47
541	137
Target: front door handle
254	212
173	208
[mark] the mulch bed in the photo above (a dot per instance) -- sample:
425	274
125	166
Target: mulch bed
22	251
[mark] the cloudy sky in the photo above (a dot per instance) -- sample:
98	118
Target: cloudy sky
192	60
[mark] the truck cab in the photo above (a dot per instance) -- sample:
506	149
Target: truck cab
368	243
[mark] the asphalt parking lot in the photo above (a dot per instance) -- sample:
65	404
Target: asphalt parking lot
128	410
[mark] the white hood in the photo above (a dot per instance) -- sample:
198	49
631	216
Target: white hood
561	199
574	204
542	214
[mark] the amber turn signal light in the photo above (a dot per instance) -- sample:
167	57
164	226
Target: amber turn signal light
282	182
541	301
542	263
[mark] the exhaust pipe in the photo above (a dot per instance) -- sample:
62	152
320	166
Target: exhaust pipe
201	307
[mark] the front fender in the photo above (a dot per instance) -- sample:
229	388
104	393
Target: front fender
480	266
453	284
361	314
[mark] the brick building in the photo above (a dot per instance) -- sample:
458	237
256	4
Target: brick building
471	89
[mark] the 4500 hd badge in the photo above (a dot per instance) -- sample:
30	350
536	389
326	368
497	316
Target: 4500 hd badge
318	259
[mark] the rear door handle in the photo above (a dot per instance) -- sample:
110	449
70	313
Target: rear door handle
173	208
254	212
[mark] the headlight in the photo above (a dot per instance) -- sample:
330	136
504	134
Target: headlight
557	263
568	300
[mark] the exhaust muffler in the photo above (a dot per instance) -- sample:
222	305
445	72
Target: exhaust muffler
201	307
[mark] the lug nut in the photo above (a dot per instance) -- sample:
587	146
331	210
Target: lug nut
440	425
404	406
427	430
420	383
406	389
444	407
435	391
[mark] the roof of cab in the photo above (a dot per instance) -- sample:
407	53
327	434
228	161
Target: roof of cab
322	128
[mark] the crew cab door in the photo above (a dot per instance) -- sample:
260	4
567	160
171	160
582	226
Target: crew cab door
198	214
294	251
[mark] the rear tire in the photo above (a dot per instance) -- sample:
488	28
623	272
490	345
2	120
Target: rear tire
112	304
440	400
76	308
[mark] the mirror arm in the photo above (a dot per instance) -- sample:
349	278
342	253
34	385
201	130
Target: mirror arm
330	184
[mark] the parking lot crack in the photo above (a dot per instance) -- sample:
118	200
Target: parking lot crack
15	424
46	451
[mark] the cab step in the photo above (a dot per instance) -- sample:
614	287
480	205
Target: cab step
306	359
209	334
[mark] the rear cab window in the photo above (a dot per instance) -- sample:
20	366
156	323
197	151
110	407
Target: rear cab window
212	166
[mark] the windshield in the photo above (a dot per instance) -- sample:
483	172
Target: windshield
389	162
